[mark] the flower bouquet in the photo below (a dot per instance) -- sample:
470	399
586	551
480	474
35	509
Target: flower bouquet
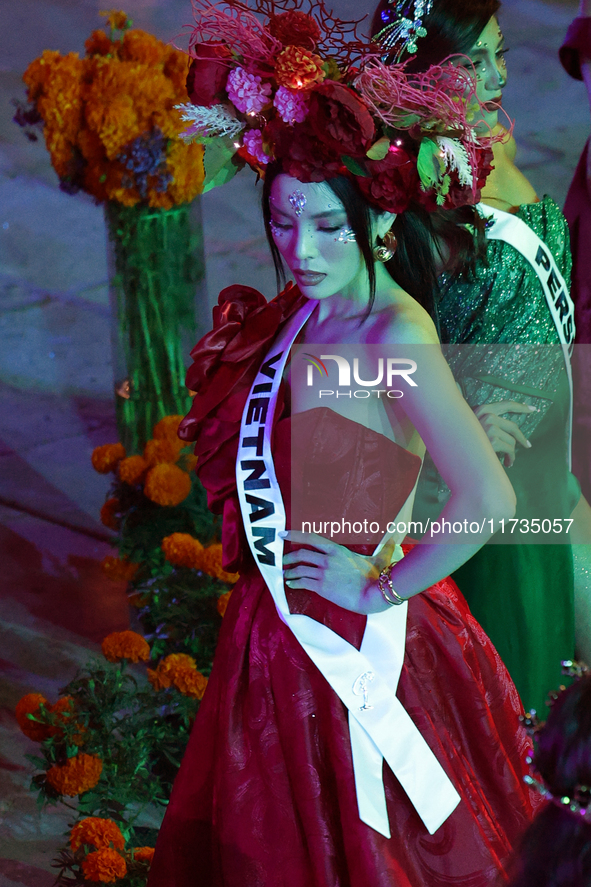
113	131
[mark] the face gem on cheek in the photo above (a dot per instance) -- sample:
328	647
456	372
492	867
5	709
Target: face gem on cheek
298	202
275	230
346	235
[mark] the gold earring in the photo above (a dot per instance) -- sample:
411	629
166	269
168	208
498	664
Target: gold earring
384	251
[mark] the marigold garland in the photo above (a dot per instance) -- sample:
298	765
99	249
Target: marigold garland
105	865
223	602
106	458
211	563
167	485
79	774
96	832
167	429
118	569
30	705
158	451
189	682
125	645
133	469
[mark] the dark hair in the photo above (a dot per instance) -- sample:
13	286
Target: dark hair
556	849
453	26
413	266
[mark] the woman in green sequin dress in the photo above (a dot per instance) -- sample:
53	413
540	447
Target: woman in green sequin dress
522	594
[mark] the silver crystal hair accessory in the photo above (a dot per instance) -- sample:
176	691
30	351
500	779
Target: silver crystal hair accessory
403	25
298	202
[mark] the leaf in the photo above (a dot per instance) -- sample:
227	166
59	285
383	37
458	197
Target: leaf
428	163
353	166
379	149
218	162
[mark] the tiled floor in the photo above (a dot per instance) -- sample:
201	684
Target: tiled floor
55	362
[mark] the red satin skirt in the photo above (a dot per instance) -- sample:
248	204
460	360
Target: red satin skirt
265	796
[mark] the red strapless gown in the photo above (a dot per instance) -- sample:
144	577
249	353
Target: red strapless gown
265	796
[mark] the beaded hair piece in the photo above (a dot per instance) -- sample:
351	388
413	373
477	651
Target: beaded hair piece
579	805
403	26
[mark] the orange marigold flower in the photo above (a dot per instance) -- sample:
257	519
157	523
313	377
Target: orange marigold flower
182	550
223	601
78	775
98	44
133	469
167	485
158	679
185	162
29	705
159	451
167	429
143	854
116	19
176	660
211	563
188	462
119	569
125	645
139	46
107	457
96	832
109	513
298	68
105	865
189	682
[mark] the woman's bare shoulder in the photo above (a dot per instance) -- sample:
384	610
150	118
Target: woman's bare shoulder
406	322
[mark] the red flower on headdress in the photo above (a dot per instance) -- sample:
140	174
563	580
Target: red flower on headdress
340	119
208	73
302	155
295	28
392	182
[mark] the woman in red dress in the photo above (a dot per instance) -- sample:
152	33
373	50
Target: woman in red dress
359	729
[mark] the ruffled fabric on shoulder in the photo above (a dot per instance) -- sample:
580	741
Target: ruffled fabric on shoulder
225	363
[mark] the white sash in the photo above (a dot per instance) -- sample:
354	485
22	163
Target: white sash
514	231
366	679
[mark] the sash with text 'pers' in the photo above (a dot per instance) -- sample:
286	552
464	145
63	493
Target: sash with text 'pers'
380	730
514	231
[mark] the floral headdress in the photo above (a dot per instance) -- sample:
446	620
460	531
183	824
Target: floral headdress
403	25
579	805
303	89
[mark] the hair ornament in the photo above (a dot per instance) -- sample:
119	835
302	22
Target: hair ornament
286	81
579	804
403	26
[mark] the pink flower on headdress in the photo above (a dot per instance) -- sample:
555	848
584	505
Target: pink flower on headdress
247	92
253	142
292	106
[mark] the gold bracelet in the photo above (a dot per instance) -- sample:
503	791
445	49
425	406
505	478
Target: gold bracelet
385	585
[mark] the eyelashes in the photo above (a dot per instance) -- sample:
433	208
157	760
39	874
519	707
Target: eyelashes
345	233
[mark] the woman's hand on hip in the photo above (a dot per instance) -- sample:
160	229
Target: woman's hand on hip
503	434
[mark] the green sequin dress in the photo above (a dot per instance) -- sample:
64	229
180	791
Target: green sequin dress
522	594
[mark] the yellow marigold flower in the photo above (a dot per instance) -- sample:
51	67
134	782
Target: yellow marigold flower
211	563
78	775
298	68
167	485
167	429
133	469
183	550
29	705
143	854
98	44
105	865
97	833
118	569
189	682
159	451
109	513
223	601
176	68
125	645
139	46
107	457
185	162
116	19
